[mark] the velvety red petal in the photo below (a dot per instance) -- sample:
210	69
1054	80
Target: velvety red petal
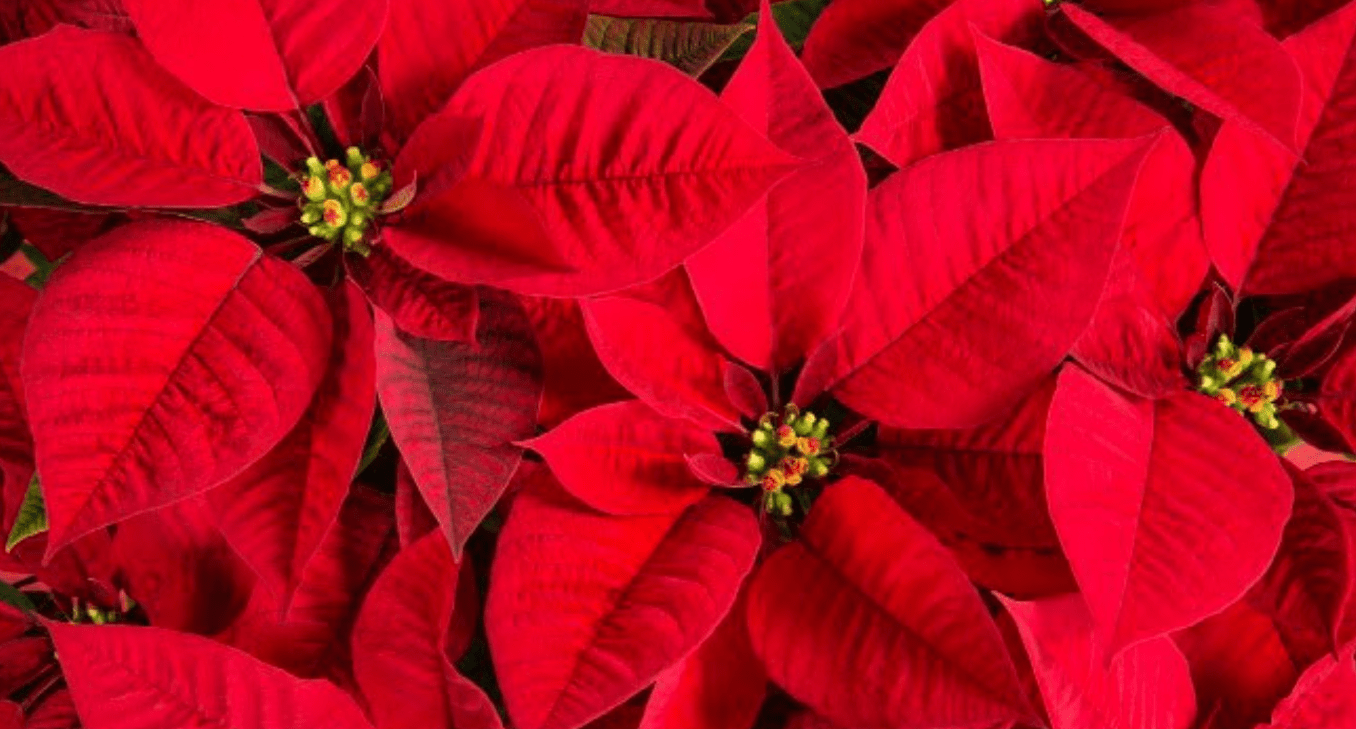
277	512
585	610
173	679
774	285
870	622
417	302
594	172
265	55
1168	510
1146	686
626	459
933	100
398	657
429	48
161	360
455	410
982	268
114	129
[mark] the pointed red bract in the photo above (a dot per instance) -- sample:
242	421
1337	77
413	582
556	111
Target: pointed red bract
594	172
1208	56
933	100
276	513
455	410
1325	696
663	354
1337	396
626	459
418	303
989	505
178	567
856	38
762	299
161	360
575	379
981	269
428	49
1239	666
162	678
310	638
869	622
1147	686
585	610
112	128
1275	221
16	444
265	55
398	656
1309	582
1168	510
721	685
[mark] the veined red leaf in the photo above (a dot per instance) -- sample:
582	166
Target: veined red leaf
163	678
309	639
16	443
763	300
1168	510
720	685
982	267
179	568
856	38
594	172
161	360
870	622
23	661
1206	55
1337	396
1275	221
585	609
455	410
1029	97
690	47
934	100
115	129
664	355
428	49
1325	696
58	232
398	656
989	507
1309	583
626	459
265	55
418	303
276	513
1147	686
412	517
574	378
1238	665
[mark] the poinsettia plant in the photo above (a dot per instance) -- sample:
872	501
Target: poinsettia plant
677	364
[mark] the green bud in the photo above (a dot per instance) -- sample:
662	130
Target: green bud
784	503
821	430
310	215
315	166
804	425
763	438
818	468
756	462
352	235
354	157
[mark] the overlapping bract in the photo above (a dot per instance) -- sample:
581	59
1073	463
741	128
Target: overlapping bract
1046	269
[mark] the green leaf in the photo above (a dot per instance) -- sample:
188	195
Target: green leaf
14	598
794	17
689	46
32	516
376	438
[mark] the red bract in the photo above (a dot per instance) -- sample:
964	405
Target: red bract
328	329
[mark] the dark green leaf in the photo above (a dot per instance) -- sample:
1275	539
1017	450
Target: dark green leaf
794	17
376	438
689	46
14	598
